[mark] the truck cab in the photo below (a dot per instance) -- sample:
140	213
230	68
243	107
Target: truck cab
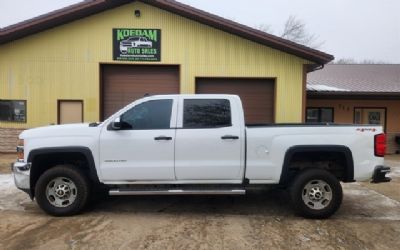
192	139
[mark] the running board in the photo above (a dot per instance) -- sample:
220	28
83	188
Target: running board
115	192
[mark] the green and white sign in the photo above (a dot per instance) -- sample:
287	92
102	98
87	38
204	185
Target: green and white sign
137	45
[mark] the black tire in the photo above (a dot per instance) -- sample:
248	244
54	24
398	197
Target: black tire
81	190
311	184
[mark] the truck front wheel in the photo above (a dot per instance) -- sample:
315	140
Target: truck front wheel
62	191
316	194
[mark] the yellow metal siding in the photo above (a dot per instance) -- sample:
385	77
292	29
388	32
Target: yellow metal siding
63	62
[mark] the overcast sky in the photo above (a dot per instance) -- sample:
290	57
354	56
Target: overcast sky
358	29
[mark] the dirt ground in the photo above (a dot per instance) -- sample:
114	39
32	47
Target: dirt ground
368	219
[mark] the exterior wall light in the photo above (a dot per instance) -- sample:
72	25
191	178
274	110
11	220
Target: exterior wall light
137	13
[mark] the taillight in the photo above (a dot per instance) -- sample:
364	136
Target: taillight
380	145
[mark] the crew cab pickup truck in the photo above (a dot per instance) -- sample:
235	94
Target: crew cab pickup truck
134	42
195	145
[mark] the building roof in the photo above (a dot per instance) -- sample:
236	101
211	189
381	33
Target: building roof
350	79
91	7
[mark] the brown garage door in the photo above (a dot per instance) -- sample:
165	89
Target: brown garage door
123	84
257	95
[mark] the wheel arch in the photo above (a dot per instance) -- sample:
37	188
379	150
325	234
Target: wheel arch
45	153
344	151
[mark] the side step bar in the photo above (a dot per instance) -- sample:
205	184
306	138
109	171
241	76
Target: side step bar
115	192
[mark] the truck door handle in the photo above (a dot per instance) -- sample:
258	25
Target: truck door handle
162	138
230	137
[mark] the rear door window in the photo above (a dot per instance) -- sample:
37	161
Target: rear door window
206	113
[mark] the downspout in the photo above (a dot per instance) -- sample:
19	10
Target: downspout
321	66
304	102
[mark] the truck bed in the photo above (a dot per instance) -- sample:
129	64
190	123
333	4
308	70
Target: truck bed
268	144
253	125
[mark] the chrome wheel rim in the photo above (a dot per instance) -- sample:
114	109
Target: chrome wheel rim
317	194
61	192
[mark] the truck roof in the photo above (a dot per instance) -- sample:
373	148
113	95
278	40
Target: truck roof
194	95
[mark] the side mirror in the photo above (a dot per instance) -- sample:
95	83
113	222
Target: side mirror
116	124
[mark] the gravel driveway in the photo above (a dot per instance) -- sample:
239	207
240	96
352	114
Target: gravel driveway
368	219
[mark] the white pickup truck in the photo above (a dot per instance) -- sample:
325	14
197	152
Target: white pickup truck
197	145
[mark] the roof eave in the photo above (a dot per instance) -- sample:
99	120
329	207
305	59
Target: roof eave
56	18
243	31
351	95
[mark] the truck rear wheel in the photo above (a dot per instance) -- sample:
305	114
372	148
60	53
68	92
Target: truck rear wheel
62	191
316	194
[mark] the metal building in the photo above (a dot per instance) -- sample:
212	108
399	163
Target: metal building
86	61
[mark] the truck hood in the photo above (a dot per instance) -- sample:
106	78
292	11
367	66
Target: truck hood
59	131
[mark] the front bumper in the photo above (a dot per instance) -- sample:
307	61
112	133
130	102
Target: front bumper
21	171
380	174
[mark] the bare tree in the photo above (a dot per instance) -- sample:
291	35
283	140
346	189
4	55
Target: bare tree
295	31
265	27
353	61
345	61
370	61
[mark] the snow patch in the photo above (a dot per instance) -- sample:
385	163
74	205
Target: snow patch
380	200
321	87
7	184
394	172
10	196
368	201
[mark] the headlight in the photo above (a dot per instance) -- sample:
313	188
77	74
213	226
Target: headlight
20	150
